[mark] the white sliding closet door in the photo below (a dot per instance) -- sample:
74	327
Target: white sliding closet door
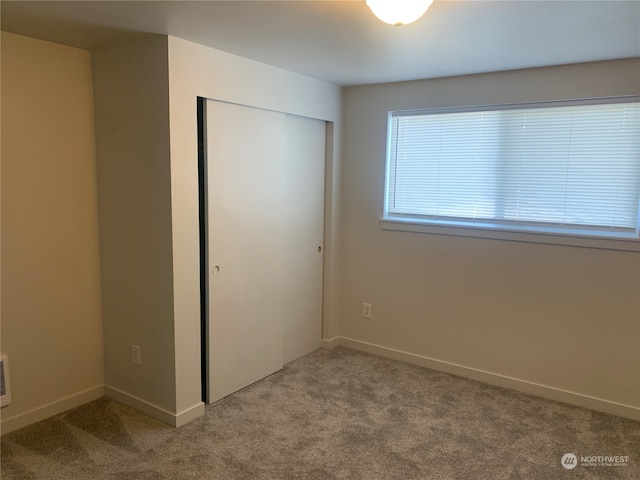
304	232
265	267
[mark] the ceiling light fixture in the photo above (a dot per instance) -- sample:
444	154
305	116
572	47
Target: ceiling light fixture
399	12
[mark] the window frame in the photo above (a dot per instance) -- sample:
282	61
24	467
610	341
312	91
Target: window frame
496	228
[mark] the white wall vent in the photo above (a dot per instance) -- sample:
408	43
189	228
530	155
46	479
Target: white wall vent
5	386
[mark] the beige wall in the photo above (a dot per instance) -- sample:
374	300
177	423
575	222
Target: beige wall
132	141
51	312
565	318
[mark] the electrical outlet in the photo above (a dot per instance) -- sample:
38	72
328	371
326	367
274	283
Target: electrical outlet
136	356
366	310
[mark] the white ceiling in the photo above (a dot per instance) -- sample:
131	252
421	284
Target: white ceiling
343	43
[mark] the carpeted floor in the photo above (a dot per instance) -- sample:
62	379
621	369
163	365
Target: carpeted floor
336	414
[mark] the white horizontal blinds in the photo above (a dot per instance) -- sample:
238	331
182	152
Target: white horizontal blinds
576	165
444	165
561	167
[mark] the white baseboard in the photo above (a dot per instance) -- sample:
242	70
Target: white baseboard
545	391
331	343
173	419
38	414
189	414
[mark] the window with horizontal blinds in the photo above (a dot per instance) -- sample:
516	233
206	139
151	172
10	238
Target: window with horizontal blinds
571	168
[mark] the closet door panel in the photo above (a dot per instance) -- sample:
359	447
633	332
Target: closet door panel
304	224
246	172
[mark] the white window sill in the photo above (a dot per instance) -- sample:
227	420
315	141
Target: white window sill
628	245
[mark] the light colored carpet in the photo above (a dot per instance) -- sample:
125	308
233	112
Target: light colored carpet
337	414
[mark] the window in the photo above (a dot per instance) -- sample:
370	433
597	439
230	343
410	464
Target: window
570	168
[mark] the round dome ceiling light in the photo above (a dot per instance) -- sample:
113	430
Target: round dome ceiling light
399	12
